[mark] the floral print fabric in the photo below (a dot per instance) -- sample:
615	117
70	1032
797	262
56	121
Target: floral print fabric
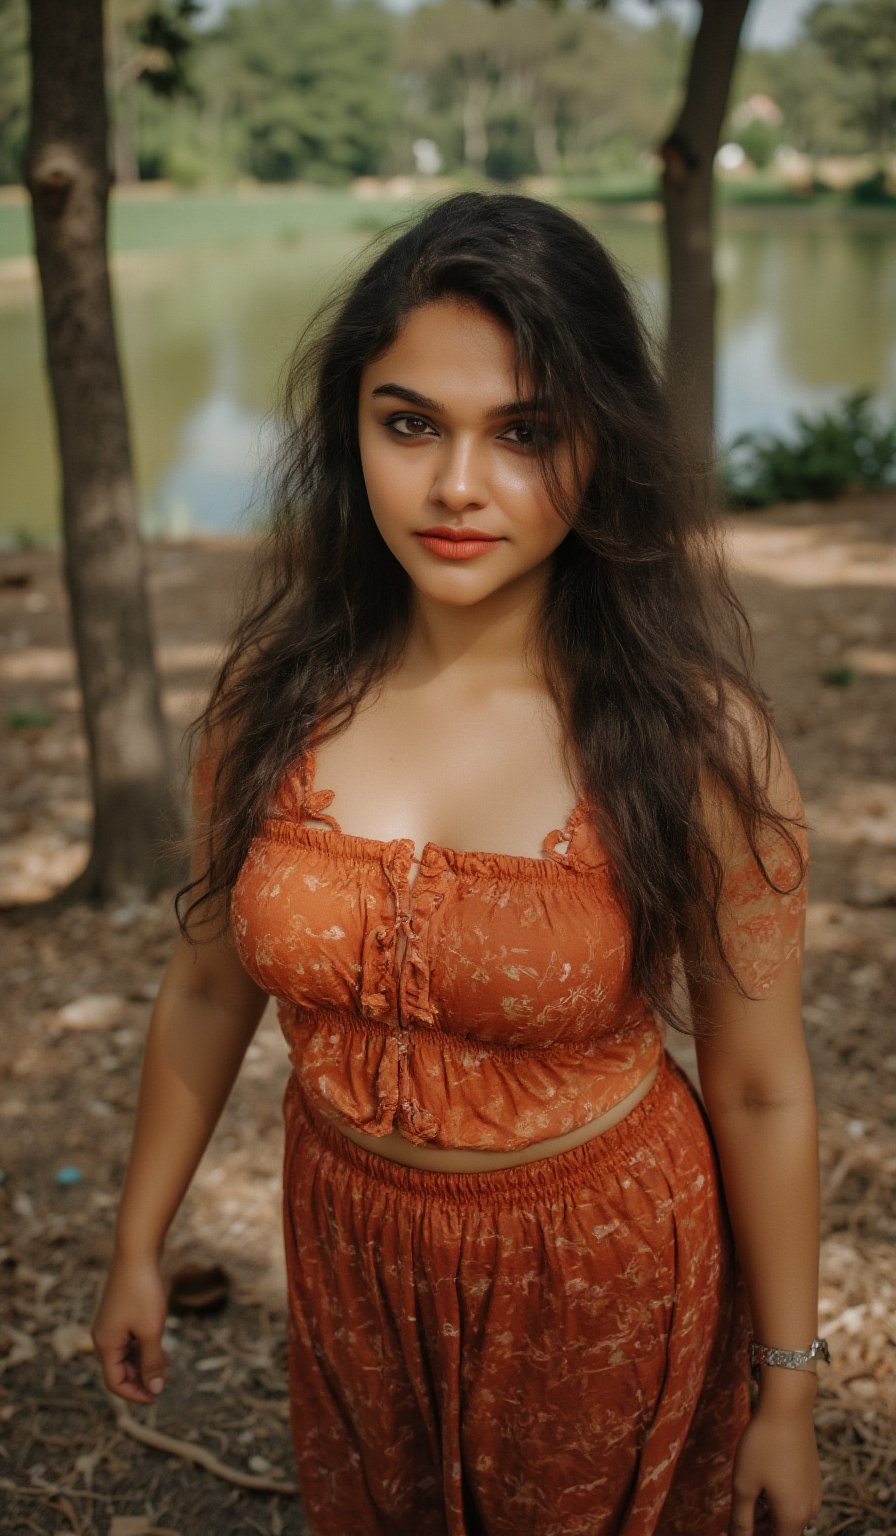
487	1004
553	1349
556	1348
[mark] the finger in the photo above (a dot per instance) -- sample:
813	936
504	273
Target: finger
743	1510
153	1364
119	1371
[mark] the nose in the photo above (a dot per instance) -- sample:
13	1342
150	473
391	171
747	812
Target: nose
460	479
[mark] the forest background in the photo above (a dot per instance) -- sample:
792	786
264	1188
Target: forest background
255	151
322	91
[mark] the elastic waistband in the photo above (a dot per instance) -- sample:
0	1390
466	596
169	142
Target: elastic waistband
669	1096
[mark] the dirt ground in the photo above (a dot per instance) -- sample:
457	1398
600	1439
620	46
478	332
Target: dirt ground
818	583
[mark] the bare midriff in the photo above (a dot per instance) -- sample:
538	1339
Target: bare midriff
473	1160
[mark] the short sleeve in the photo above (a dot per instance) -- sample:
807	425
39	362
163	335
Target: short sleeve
762	909
762	925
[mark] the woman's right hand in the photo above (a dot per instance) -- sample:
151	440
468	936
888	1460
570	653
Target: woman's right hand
128	1327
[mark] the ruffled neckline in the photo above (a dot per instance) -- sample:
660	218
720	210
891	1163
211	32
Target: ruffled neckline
314	803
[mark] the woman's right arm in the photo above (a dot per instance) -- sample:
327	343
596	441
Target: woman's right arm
202	1023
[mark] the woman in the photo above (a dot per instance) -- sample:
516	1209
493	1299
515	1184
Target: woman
493	593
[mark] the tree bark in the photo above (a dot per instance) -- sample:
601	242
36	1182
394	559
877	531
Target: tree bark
688	154
546	155
475	135
137	817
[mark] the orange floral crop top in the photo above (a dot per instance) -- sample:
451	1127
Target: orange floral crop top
487	1003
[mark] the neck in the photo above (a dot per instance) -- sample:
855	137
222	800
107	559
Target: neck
484	642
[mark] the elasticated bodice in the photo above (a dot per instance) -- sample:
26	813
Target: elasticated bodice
485	1004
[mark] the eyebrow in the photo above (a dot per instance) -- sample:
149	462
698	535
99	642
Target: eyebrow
511	408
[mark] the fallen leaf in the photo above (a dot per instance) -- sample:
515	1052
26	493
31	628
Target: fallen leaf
86	1465
22	1348
71	1339
212	1362
96	1010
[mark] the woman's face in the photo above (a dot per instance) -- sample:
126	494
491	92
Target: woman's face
446	443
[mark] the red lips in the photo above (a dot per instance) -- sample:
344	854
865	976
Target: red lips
457	534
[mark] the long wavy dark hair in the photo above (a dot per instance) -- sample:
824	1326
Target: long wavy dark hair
641	641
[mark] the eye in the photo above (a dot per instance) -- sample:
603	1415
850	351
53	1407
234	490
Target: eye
529	434
416	424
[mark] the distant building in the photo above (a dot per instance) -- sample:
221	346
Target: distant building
756	109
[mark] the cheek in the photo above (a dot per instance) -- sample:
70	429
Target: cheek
555	531
389	477
542	520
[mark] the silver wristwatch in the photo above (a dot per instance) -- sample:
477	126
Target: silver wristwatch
792	1359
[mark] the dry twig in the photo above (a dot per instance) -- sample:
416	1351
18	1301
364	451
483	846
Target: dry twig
173	1446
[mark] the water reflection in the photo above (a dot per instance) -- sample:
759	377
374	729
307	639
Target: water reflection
806	314
216	480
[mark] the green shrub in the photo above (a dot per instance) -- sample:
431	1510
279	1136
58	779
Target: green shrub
29	718
636	186
186	167
875	191
510	152
839	450
759	140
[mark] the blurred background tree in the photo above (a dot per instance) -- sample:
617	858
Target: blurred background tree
322	91
311	85
136	814
14	76
148	44
858	42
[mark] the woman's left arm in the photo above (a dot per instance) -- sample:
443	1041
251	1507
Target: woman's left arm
757	1086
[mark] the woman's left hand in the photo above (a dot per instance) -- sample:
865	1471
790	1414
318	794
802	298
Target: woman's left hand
778	1458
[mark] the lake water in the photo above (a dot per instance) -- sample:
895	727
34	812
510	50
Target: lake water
807	313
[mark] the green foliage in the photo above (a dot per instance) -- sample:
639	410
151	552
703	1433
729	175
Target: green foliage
165	31
837	451
511	152
632	187
14	87
29	719
765	190
839	677
803	82
311	84
537	88
325	90
876	191
759	140
859	41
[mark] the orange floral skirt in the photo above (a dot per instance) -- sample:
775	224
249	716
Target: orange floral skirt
555	1349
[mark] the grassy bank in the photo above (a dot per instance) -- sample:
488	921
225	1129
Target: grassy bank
189	220
153	218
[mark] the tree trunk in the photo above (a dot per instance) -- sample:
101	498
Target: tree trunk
475	135
545	133
687	183
137	818
125	166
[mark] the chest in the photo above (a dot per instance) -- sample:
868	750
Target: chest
511	950
430	772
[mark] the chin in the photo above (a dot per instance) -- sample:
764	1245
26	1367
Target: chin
455	595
